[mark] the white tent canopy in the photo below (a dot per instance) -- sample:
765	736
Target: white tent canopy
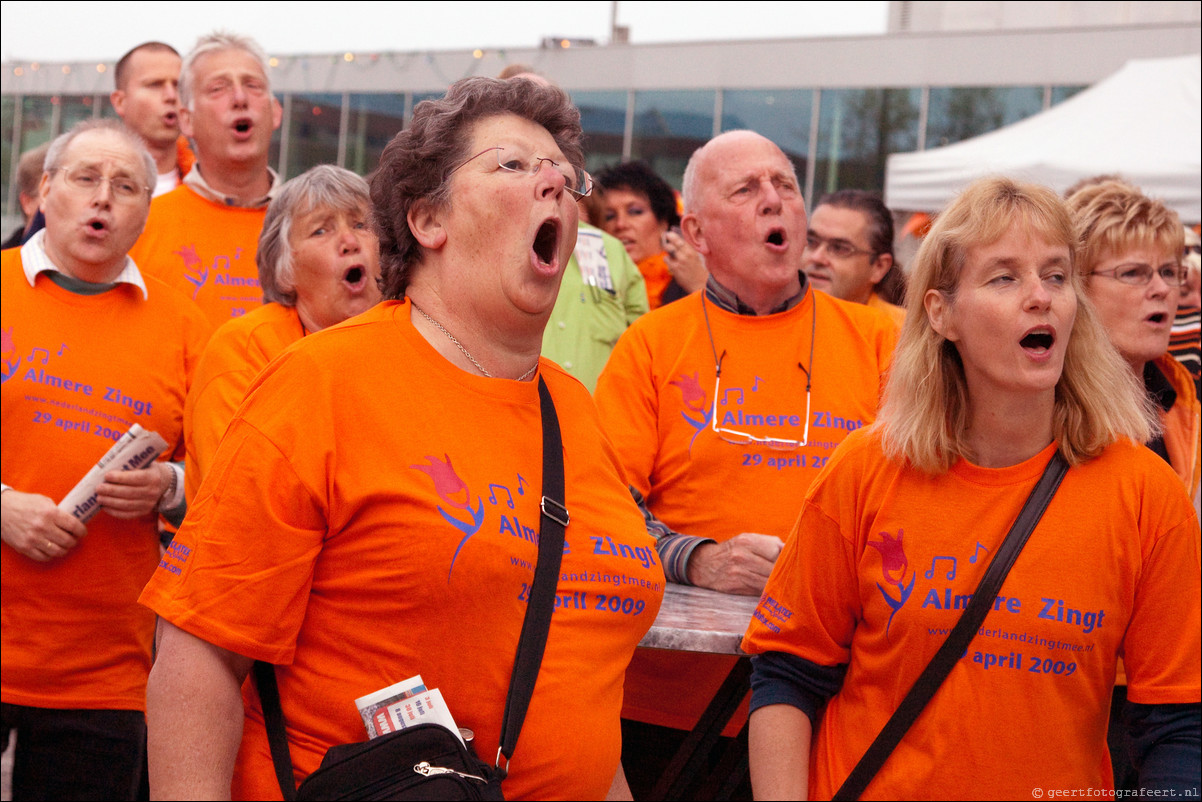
1144	122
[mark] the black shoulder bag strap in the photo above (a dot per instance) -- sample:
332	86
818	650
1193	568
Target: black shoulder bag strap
961	635
531	643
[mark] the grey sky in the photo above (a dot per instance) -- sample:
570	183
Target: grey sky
82	31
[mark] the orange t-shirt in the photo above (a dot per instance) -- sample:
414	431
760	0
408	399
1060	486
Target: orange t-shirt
395	508
657	277
204	249
78	372
235	355
882	562
896	313
656	400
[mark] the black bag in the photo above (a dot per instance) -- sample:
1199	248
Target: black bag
428	761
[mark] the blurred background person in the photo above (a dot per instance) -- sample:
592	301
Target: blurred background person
641	211
393	467
1186	342
1130	255
29	176
319	264
1001	364
849	252
146	98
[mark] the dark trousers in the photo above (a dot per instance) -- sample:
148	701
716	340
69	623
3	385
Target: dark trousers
75	754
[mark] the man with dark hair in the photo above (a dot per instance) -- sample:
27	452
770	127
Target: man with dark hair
29	174
146	97
202	236
849	251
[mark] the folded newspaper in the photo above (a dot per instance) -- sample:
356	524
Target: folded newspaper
135	449
405	704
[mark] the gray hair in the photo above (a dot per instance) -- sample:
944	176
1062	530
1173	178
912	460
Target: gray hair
213	43
324	187
58	148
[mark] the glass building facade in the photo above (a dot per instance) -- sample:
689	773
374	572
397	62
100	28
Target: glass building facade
836	138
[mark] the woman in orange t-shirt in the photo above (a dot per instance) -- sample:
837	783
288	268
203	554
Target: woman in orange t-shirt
372	512
1001	363
641	211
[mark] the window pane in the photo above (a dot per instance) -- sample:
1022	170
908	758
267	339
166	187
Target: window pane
962	112
374	120
857	130
603	118
36	115
1062	93
8	119
313	131
782	115
74	109
669	126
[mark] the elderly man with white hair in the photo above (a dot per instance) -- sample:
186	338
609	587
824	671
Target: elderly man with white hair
201	236
91	347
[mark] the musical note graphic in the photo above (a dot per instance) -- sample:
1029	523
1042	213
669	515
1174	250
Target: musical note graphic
727	393
492	494
521	483
45	355
930	573
61	349
757	384
980	548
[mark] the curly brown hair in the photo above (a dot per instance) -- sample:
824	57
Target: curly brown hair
416	164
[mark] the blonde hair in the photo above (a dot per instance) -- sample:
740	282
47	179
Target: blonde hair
926	409
1113	217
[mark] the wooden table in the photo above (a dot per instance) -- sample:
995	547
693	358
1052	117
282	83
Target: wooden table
699	620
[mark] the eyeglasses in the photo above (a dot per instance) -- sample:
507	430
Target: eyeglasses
839	248
1140	275
86	180
740	438
515	160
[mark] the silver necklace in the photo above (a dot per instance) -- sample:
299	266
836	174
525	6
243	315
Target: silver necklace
465	352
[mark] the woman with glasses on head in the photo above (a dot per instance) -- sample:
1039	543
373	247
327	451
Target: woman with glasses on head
392	469
1002	364
640	210
1129	253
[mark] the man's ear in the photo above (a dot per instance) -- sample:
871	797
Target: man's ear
185	122
277	113
43	188
117	98
880	267
939	312
426	224
690	227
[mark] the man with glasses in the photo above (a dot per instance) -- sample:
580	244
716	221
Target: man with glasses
724	406
849	252
91	347
202	236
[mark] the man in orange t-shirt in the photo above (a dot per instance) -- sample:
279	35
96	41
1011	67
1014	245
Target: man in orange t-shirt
723	464
201	237
76	645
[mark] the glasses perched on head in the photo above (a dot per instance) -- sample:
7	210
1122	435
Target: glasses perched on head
516	160
1140	274
839	248
88	180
